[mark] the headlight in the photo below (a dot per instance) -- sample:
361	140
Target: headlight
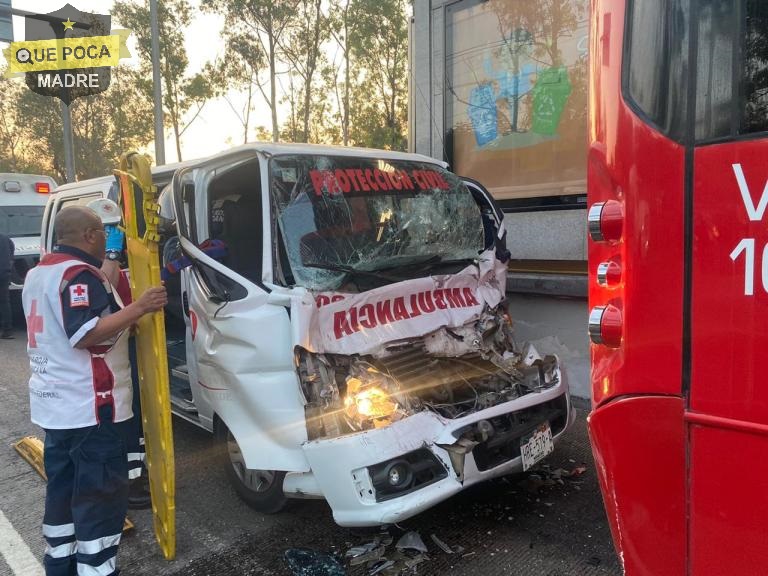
369	400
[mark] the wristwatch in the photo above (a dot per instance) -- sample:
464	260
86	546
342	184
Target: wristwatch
113	255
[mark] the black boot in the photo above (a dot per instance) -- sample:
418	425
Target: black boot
138	492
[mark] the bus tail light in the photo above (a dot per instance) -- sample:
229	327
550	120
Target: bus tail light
605	221
606	326
608	274
42	188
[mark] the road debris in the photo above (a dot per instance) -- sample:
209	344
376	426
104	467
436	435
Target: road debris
411	541
544	477
379	558
371	555
594	561
304	562
440	544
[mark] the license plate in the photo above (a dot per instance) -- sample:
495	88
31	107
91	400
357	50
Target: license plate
536	445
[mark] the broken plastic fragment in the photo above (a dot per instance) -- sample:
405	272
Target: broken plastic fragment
530	354
369	556
416	560
362	549
440	544
411	541
381	566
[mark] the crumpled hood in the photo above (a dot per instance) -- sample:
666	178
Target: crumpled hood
360	323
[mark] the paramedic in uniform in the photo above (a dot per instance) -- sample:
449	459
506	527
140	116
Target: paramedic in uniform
80	393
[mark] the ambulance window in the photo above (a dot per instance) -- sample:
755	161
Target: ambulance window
78	201
114	191
234	216
655	75
74	201
218	286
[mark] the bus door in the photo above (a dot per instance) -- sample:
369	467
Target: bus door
727	414
678	173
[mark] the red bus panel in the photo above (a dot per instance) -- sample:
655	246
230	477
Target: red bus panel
632	163
729	320
640	457
729	507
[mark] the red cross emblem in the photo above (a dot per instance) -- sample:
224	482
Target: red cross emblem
34	325
78	296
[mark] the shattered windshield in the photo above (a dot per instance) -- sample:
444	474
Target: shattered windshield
347	217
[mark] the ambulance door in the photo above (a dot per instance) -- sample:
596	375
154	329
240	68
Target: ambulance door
55	203
239	348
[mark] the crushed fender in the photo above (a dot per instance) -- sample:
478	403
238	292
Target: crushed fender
30	448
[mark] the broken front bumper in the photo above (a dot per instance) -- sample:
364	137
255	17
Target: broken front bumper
424	449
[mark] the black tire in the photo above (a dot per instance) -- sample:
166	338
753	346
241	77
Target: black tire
261	490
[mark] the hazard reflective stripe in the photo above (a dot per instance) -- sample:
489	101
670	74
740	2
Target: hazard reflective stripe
102	570
141	441
61	551
135	456
58	530
134	473
97	545
84	329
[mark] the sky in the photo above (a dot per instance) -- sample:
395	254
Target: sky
217	127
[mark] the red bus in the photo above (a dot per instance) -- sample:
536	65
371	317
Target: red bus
678	273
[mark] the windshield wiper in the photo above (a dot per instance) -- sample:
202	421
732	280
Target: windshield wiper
350	271
431	262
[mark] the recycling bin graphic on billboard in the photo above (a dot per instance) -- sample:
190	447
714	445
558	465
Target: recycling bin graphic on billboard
549	98
67	54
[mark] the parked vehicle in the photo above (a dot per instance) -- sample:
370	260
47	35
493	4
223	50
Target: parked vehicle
22	201
345	333
677	194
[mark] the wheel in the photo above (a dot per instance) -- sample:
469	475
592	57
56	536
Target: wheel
262	490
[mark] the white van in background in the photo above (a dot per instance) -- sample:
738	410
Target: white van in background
22	203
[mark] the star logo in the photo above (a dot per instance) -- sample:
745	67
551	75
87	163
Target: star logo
68	24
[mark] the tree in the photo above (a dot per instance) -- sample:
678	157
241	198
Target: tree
104	126
107	125
39	120
379	45
546	21
339	27
302	50
262	22
181	92
12	145
239	70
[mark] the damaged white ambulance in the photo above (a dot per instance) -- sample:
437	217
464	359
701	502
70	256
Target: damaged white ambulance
345	330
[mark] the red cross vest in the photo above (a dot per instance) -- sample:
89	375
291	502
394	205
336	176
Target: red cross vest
68	385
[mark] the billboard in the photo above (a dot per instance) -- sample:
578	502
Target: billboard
516	95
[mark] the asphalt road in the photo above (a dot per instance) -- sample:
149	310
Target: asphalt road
524	525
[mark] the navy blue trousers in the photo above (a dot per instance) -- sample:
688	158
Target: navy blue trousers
135	447
86	499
